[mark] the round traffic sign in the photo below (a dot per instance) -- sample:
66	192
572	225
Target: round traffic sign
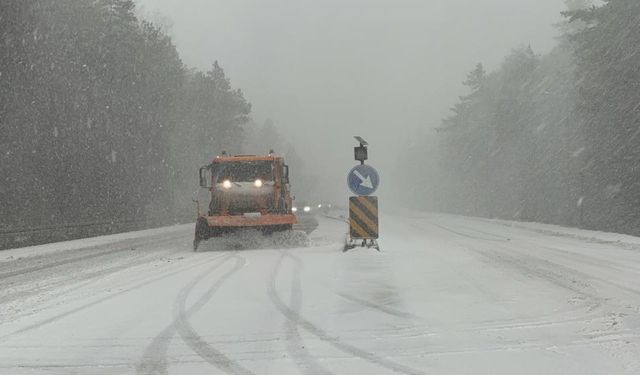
363	180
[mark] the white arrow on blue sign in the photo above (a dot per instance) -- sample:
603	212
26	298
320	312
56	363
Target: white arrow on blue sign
363	180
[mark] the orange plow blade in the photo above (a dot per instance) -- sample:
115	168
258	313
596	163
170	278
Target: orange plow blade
244	221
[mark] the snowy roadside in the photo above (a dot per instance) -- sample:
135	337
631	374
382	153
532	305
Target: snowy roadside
33	251
625	241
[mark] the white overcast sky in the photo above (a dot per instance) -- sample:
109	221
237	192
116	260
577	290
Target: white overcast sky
329	69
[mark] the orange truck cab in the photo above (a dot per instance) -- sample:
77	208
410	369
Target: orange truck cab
247	191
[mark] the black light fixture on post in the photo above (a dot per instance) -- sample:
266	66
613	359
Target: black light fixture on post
361	152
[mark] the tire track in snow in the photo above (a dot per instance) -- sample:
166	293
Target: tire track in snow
84	278
496	257
154	359
571	255
585	285
46	261
474	237
502	255
296	318
189	335
376	306
101	300
295	343
544	268
526	265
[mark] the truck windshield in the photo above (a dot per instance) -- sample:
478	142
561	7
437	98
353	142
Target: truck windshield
245	171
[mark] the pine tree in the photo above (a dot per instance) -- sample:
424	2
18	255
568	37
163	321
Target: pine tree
609	75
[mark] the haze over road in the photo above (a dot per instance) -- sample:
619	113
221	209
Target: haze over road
328	70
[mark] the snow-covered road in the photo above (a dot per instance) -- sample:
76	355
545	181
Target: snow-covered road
448	295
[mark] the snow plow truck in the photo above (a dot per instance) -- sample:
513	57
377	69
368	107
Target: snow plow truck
247	192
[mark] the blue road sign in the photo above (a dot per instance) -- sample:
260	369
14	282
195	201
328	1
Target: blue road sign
363	180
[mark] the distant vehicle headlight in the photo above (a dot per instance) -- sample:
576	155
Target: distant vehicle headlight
319	206
294	209
226	184
258	183
307	209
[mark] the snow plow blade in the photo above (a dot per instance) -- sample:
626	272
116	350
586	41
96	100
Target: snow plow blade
242	221
215	226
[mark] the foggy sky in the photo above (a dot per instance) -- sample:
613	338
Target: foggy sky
326	70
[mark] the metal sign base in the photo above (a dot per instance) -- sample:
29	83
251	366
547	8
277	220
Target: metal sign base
353	243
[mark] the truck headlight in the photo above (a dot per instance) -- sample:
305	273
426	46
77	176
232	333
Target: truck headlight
258	183
226	184
307	209
294	209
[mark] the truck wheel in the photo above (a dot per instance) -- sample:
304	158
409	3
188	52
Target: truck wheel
201	232
196	242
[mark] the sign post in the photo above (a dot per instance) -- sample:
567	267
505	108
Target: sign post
363	180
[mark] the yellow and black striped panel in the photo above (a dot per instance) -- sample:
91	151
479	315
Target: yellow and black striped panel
363	217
